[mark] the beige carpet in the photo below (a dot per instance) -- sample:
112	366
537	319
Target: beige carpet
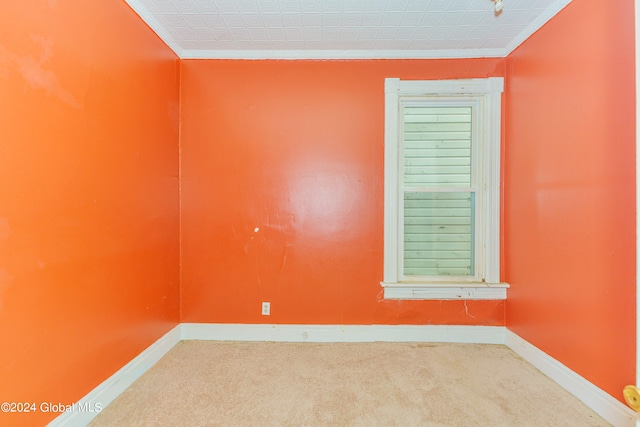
208	383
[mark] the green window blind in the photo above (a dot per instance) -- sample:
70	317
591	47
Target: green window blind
438	197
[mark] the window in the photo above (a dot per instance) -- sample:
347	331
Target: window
442	189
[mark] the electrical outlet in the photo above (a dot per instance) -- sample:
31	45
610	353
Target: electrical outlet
266	308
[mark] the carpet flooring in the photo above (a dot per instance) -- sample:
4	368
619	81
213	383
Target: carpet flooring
209	383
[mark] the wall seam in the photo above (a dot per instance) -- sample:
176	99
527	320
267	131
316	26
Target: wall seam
180	190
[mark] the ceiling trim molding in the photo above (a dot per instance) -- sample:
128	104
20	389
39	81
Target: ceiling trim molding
551	11
155	25
342	54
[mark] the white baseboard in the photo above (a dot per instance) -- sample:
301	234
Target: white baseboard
601	402
111	388
344	333
598	400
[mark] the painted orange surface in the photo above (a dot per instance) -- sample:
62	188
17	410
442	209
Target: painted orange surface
282	192
88	197
570	191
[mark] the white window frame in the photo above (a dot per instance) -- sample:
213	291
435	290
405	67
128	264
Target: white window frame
486	94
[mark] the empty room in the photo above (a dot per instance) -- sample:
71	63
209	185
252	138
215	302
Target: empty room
318	212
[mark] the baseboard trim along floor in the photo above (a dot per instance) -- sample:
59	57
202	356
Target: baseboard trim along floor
113	386
343	333
595	398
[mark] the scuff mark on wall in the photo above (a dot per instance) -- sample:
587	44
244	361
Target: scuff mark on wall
466	310
245	248
284	257
33	72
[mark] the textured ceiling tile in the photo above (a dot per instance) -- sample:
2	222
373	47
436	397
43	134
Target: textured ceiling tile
431	19
269	6
351	20
204	34
164	6
367	33
450	19
415	45
206	6
249	6
464	7
372	19
332	6
354	6
229	45
290	20
411	19
277	34
225	6
194	21
175	20
258	34
186	34
331	34
520	17
272	20
196	44
252	20
384	44
481	32
391	19
294	34
233	20
423	33
375	6
312	20
314	45
289	6
332	19
396	5
312	33
405	33
465	33
242	45
417	6
185	6
349	34
241	34
441	33
387	33
311	6
439	5
213	21
223	35
489	20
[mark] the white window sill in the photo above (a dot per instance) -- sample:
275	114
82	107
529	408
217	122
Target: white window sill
445	291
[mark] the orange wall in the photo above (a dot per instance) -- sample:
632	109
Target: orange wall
295	150
88	197
570	191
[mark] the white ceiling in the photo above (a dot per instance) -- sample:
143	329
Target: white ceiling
344	29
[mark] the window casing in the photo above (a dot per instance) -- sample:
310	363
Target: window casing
442	189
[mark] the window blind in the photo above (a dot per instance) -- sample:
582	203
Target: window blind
438	198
